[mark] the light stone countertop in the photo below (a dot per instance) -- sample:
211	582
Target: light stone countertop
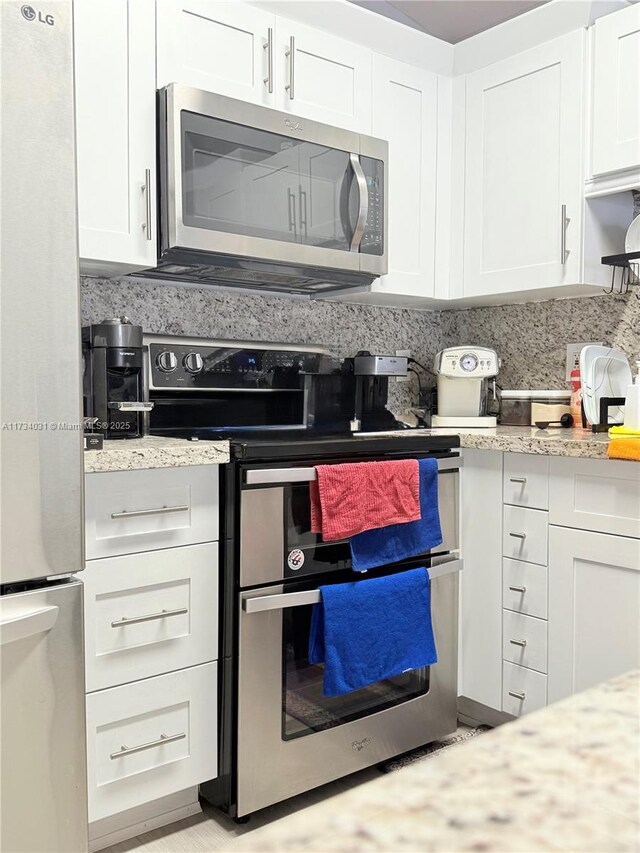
158	452
548	442
566	777
154	452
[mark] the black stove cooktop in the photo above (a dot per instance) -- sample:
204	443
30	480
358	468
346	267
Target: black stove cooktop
261	443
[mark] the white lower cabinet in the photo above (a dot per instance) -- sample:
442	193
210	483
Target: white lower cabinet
594	608
149	613
151	640
524	588
595	494
523	690
525	534
151	738
524	640
127	512
547	608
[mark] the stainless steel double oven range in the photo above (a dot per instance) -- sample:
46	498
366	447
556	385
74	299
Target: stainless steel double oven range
280	735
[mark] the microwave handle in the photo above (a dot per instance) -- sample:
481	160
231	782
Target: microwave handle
278	601
270	476
363	202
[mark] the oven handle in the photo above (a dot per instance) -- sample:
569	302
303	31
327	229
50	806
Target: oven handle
279	601
268	476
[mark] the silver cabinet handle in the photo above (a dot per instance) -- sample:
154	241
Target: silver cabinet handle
278	601
135	620
518	480
137	513
146	189
521	643
268	46
564	221
129	750
522	536
520	696
264	476
521	589
131	406
363	202
291	55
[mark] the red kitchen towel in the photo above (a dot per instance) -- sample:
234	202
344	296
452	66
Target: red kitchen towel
347	499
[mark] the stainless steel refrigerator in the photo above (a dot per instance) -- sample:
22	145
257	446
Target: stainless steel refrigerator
42	727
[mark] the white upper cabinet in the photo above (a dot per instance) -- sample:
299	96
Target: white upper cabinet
239	50
115	129
524	175
616	92
405	113
218	47
322	77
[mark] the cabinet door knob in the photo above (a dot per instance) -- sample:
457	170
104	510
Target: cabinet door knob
522	480
520	696
522	536
521	589
521	643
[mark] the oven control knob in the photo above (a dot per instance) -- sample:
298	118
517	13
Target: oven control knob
192	362
167	361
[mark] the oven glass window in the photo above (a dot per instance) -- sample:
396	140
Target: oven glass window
304	707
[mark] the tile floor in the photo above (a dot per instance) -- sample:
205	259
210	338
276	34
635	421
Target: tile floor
211	832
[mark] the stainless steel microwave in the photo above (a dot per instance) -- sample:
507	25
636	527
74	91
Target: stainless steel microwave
253	197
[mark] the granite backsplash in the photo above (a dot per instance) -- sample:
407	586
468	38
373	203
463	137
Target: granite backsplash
530	338
207	312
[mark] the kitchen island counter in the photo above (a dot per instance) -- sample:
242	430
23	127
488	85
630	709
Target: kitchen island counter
562	778
154	452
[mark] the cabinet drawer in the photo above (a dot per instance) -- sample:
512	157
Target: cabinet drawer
127	762
150	613
595	494
131	511
523	690
524	640
524	588
525	534
526	480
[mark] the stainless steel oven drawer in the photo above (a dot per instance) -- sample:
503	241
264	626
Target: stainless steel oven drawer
264	540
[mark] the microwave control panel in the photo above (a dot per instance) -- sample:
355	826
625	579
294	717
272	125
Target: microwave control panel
373	238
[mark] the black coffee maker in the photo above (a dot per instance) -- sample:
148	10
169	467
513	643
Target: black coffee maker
113	384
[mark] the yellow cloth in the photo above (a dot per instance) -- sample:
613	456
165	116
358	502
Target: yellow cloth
623	431
624	448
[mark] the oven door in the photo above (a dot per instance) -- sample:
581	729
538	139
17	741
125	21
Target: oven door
243	180
276	542
291	738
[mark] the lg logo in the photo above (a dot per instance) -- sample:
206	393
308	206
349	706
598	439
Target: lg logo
30	14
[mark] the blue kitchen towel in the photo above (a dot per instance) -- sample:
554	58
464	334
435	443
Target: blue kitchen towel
386	545
369	630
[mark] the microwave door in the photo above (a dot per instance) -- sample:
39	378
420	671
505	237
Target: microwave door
325	179
238	180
